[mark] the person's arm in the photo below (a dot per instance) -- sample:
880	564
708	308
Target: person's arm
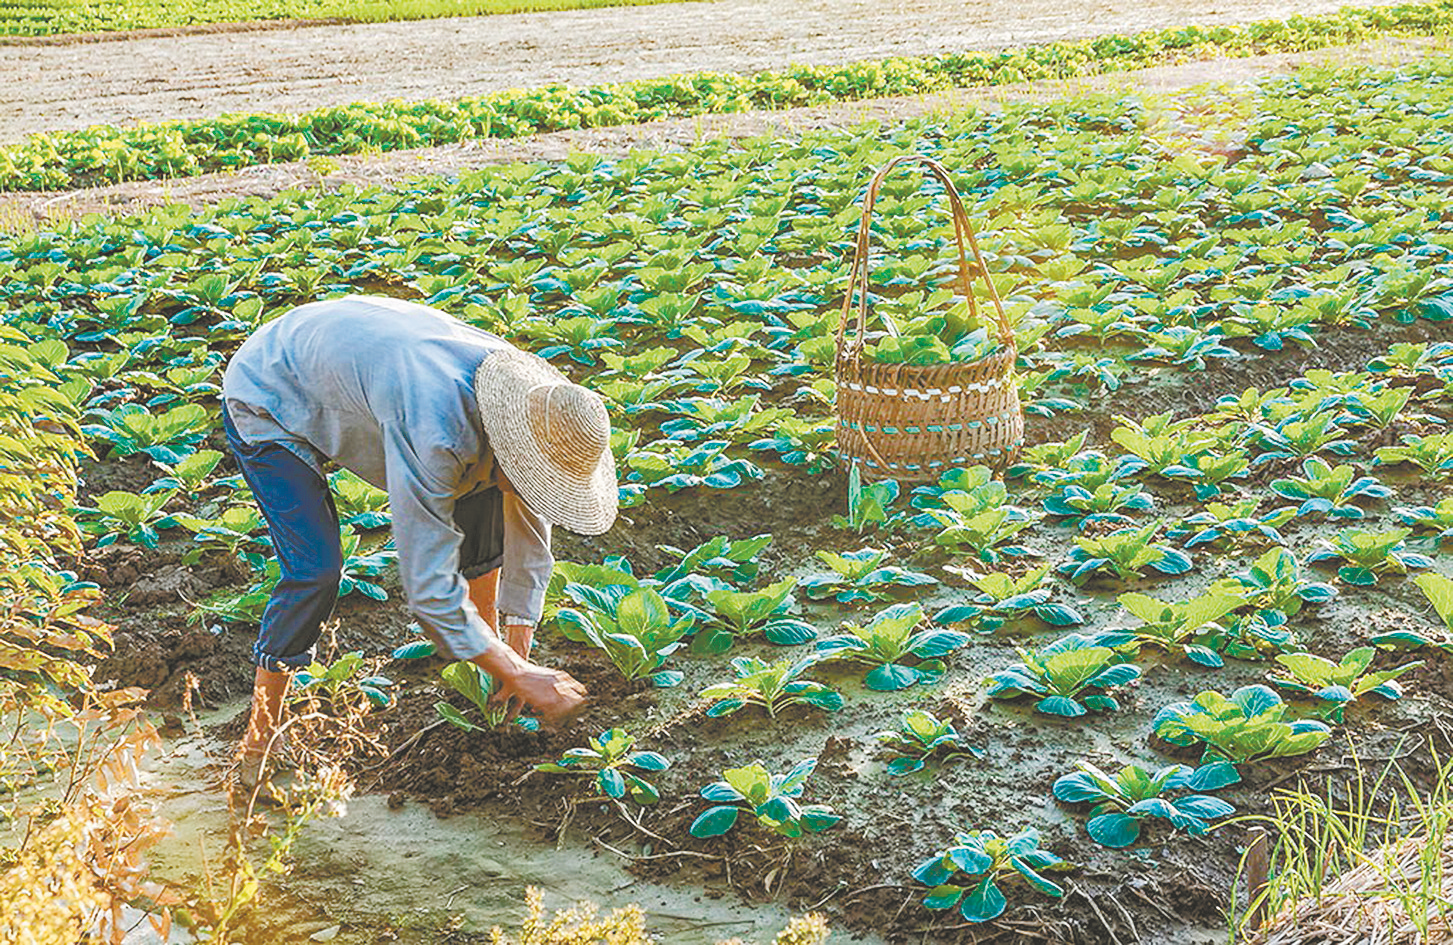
421	495
528	561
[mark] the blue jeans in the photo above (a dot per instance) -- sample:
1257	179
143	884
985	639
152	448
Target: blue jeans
303	523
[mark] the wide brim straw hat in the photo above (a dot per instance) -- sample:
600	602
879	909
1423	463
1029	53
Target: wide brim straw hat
551	438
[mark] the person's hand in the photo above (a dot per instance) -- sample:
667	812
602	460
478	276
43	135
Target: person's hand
553	694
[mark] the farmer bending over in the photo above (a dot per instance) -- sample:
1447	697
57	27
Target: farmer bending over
481	446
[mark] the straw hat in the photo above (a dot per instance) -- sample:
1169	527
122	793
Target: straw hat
551	438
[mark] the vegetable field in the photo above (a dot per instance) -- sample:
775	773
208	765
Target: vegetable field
65	17
1042	707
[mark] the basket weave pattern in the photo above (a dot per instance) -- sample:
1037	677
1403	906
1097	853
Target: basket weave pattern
915	422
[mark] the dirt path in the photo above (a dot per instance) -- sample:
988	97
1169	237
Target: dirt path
54	87
383	170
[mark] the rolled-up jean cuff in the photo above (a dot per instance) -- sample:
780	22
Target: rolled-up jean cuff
280	664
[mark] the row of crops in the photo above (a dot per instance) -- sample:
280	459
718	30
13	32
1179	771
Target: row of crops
698	293
106	153
61	17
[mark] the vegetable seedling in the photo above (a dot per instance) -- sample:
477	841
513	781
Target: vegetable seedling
773	686
1003	599
1251	725
477	686
1336	685
1174	627
737	615
888	638
967	875
1365	555
1274	582
605	758
770	798
636	630
861	576
922	735
1123	802
1124	552
1061	675
336	681
1332	491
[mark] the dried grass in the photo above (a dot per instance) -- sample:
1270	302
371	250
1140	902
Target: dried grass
1377	903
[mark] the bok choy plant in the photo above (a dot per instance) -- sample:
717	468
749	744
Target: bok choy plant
770	798
1124	553
475	685
1124	801
1176	626
1003	599
774	686
860	576
1274	582
891	636
967	875
634	627
1365	555
737	615
1332	491
1062	674
605	759
1336	685
1251	725
920	736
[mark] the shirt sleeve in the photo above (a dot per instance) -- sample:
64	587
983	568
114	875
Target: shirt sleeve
421	495
528	561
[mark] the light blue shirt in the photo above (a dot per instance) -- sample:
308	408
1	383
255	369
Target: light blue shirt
385	388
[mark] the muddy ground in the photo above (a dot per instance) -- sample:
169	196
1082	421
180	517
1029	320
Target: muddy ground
392	168
1173	889
45	88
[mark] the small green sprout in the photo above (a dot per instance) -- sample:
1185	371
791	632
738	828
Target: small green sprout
771	798
1125	801
967	874
921	735
774	686
604	758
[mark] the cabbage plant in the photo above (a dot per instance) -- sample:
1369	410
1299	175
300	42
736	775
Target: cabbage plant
1069	677
1337	685
922	735
773	686
1252	724
890	637
1366	555
635	629
771	798
1123	802
604	760
966	876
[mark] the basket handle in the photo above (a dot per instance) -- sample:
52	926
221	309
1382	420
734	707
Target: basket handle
858	276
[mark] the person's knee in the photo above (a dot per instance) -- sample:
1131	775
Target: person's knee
322	577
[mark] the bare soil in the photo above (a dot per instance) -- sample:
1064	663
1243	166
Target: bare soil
383	170
1172	890
45	88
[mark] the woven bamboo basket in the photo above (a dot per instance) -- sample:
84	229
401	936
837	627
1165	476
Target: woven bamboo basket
916	422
